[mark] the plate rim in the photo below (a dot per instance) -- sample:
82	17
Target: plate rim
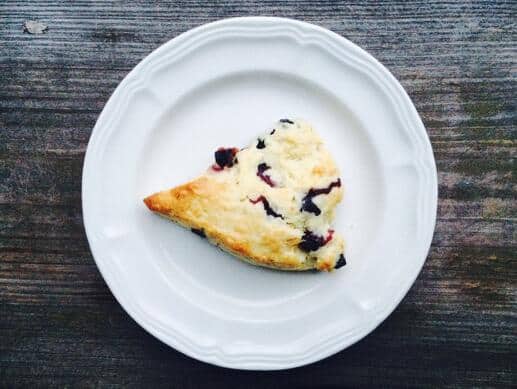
261	363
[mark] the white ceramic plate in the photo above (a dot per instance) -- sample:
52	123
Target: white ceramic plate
223	84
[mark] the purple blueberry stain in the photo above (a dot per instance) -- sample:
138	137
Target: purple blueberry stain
267	207
307	203
261	168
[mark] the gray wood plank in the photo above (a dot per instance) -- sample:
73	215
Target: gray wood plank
59	324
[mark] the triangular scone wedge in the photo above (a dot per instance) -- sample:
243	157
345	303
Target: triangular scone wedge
270	204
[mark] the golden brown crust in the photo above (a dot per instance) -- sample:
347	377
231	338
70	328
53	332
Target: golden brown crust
188	205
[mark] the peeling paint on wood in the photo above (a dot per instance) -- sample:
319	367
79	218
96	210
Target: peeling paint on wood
33	27
59	324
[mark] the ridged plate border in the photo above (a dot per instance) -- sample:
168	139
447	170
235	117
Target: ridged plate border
336	46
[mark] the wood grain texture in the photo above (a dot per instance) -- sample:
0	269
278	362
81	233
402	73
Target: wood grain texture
60	325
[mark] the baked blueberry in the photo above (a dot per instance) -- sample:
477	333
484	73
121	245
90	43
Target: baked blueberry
341	262
312	242
225	157
307	203
267	207
198	231
261	168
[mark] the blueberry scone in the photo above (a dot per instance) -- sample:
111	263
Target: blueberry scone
270	204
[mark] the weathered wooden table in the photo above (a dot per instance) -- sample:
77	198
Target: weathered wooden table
59	323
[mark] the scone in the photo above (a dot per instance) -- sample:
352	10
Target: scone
270	204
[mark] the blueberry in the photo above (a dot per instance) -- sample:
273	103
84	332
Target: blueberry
225	157
261	144
261	168
312	242
341	262
307	203
267	207
309	206
198	231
